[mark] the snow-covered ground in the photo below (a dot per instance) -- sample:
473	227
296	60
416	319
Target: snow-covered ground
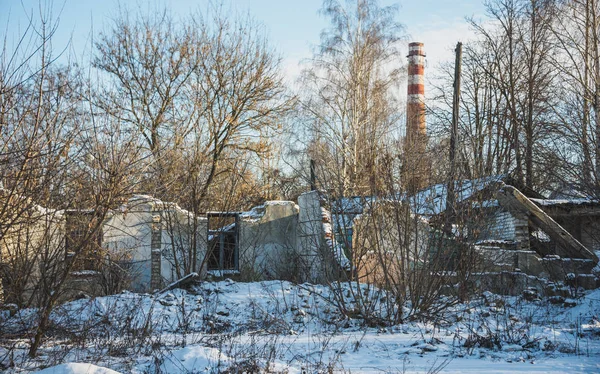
281	327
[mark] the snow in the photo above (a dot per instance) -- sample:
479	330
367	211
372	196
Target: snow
428	202
279	326
85	272
193	359
432	200
541	235
256	213
351	205
492	242
555	202
76	368
332	243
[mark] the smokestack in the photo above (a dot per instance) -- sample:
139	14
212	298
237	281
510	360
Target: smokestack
416	164
415	105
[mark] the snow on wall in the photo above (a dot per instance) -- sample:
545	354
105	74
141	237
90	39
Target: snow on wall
559	202
332	243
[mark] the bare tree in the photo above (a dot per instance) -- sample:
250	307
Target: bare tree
508	93
348	102
56	162
147	60
577	37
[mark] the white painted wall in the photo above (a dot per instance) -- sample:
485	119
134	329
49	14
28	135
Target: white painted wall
128	234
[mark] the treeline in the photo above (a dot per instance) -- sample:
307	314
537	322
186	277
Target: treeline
181	110
193	110
530	103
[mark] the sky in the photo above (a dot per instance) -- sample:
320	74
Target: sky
292	26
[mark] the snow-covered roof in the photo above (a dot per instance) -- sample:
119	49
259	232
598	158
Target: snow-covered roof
146	203
257	212
565	202
432	200
351	205
427	202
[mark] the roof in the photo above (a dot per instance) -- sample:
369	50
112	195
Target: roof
432	200
569	207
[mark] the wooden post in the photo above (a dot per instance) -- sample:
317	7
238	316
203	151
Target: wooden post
451	197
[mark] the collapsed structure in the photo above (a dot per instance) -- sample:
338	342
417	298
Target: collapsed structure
147	244
519	241
515	241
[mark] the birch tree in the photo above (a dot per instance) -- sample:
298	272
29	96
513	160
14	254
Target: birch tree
348	103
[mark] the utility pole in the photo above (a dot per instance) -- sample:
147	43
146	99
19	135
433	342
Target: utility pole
451	197
313	176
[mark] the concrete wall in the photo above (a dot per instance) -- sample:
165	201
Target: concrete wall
268	241
316	263
128	235
388	241
590	232
177	243
154	262
282	240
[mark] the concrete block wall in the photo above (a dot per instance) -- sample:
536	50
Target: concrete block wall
551	268
502	226
149	232
521	231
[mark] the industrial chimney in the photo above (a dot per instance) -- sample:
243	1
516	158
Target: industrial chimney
416	163
415	106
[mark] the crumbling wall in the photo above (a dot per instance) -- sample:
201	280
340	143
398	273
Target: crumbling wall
155	239
388	241
320	258
494	260
183	239
268	241
128	237
311	236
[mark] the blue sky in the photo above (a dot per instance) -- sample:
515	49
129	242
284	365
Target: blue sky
293	26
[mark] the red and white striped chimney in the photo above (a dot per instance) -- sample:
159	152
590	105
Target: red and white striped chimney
415	106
